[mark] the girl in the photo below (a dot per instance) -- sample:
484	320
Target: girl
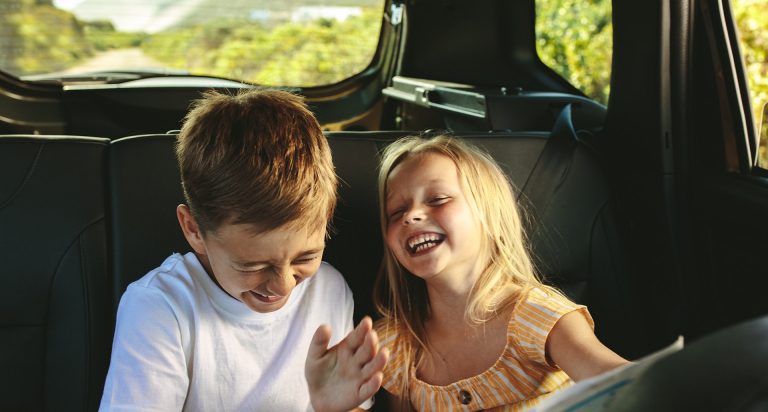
467	322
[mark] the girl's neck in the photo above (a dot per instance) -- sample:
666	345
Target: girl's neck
449	295
447	308
451	336
447	302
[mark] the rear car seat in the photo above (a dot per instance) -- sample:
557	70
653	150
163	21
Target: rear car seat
65	266
55	303
574	239
145	188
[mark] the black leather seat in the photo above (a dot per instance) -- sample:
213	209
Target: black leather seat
55	317
574	238
145	188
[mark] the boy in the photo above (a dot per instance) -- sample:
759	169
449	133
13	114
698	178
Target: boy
230	325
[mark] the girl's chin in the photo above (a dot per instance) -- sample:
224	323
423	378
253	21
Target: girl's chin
422	273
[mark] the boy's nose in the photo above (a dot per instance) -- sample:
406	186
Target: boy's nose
283	282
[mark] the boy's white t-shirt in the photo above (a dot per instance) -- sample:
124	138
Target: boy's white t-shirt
182	343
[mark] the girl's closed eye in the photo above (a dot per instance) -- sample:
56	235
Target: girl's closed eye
395	214
439	200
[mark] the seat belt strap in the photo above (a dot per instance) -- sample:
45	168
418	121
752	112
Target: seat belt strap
552	166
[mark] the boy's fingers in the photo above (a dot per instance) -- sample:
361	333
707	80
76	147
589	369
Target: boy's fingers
320	341
376	364
355	338
367	349
371	386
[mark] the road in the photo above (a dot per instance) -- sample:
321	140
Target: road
116	59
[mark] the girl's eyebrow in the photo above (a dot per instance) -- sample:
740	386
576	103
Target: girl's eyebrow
389	195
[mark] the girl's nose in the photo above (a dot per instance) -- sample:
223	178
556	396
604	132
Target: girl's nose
413	216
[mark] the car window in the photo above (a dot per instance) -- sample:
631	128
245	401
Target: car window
575	39
292	43
752	22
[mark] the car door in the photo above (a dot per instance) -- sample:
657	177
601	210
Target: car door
725	271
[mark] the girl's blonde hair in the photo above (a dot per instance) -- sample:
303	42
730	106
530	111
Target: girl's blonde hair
401	297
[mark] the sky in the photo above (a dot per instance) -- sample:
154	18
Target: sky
66	4
131	15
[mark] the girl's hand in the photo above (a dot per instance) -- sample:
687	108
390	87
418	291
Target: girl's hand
346	375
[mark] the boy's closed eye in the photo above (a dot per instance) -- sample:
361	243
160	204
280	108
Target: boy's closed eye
252	269
299	261
306	259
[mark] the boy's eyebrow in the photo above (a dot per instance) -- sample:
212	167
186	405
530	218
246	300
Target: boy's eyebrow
264	262
248	264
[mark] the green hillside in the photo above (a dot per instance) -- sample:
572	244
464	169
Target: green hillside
39	38
312	53
241	9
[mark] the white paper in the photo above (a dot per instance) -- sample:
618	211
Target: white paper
596	393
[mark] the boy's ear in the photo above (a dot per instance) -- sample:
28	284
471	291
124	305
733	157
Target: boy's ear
191	229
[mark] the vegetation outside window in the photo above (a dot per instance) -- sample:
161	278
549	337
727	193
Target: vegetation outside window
752	22
575	39
291	43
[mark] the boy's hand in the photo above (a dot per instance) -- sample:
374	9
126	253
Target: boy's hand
346	375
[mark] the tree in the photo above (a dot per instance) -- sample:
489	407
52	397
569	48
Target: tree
752	21
318	52
43	38
575	39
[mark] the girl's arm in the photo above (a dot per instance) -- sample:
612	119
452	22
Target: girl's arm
573	346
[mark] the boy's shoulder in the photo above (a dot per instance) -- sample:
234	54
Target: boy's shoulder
330	282
329	274
175	271
172	283
182	281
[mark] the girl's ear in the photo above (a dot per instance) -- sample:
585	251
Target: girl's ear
191	229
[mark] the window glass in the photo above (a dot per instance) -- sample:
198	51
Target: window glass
292	43
752	22
575	39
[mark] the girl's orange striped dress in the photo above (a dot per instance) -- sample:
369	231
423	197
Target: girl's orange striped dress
520	378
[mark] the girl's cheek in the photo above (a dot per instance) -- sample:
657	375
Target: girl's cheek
391	238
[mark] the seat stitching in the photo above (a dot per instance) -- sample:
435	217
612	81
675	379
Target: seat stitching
24	181
57	270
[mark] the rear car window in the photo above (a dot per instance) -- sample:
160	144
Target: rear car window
575	39
291	43
752	22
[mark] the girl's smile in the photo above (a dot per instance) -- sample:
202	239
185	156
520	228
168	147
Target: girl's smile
424	242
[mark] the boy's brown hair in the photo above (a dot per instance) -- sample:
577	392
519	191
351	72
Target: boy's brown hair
258	157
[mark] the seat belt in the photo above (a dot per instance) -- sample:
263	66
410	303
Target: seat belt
551	168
